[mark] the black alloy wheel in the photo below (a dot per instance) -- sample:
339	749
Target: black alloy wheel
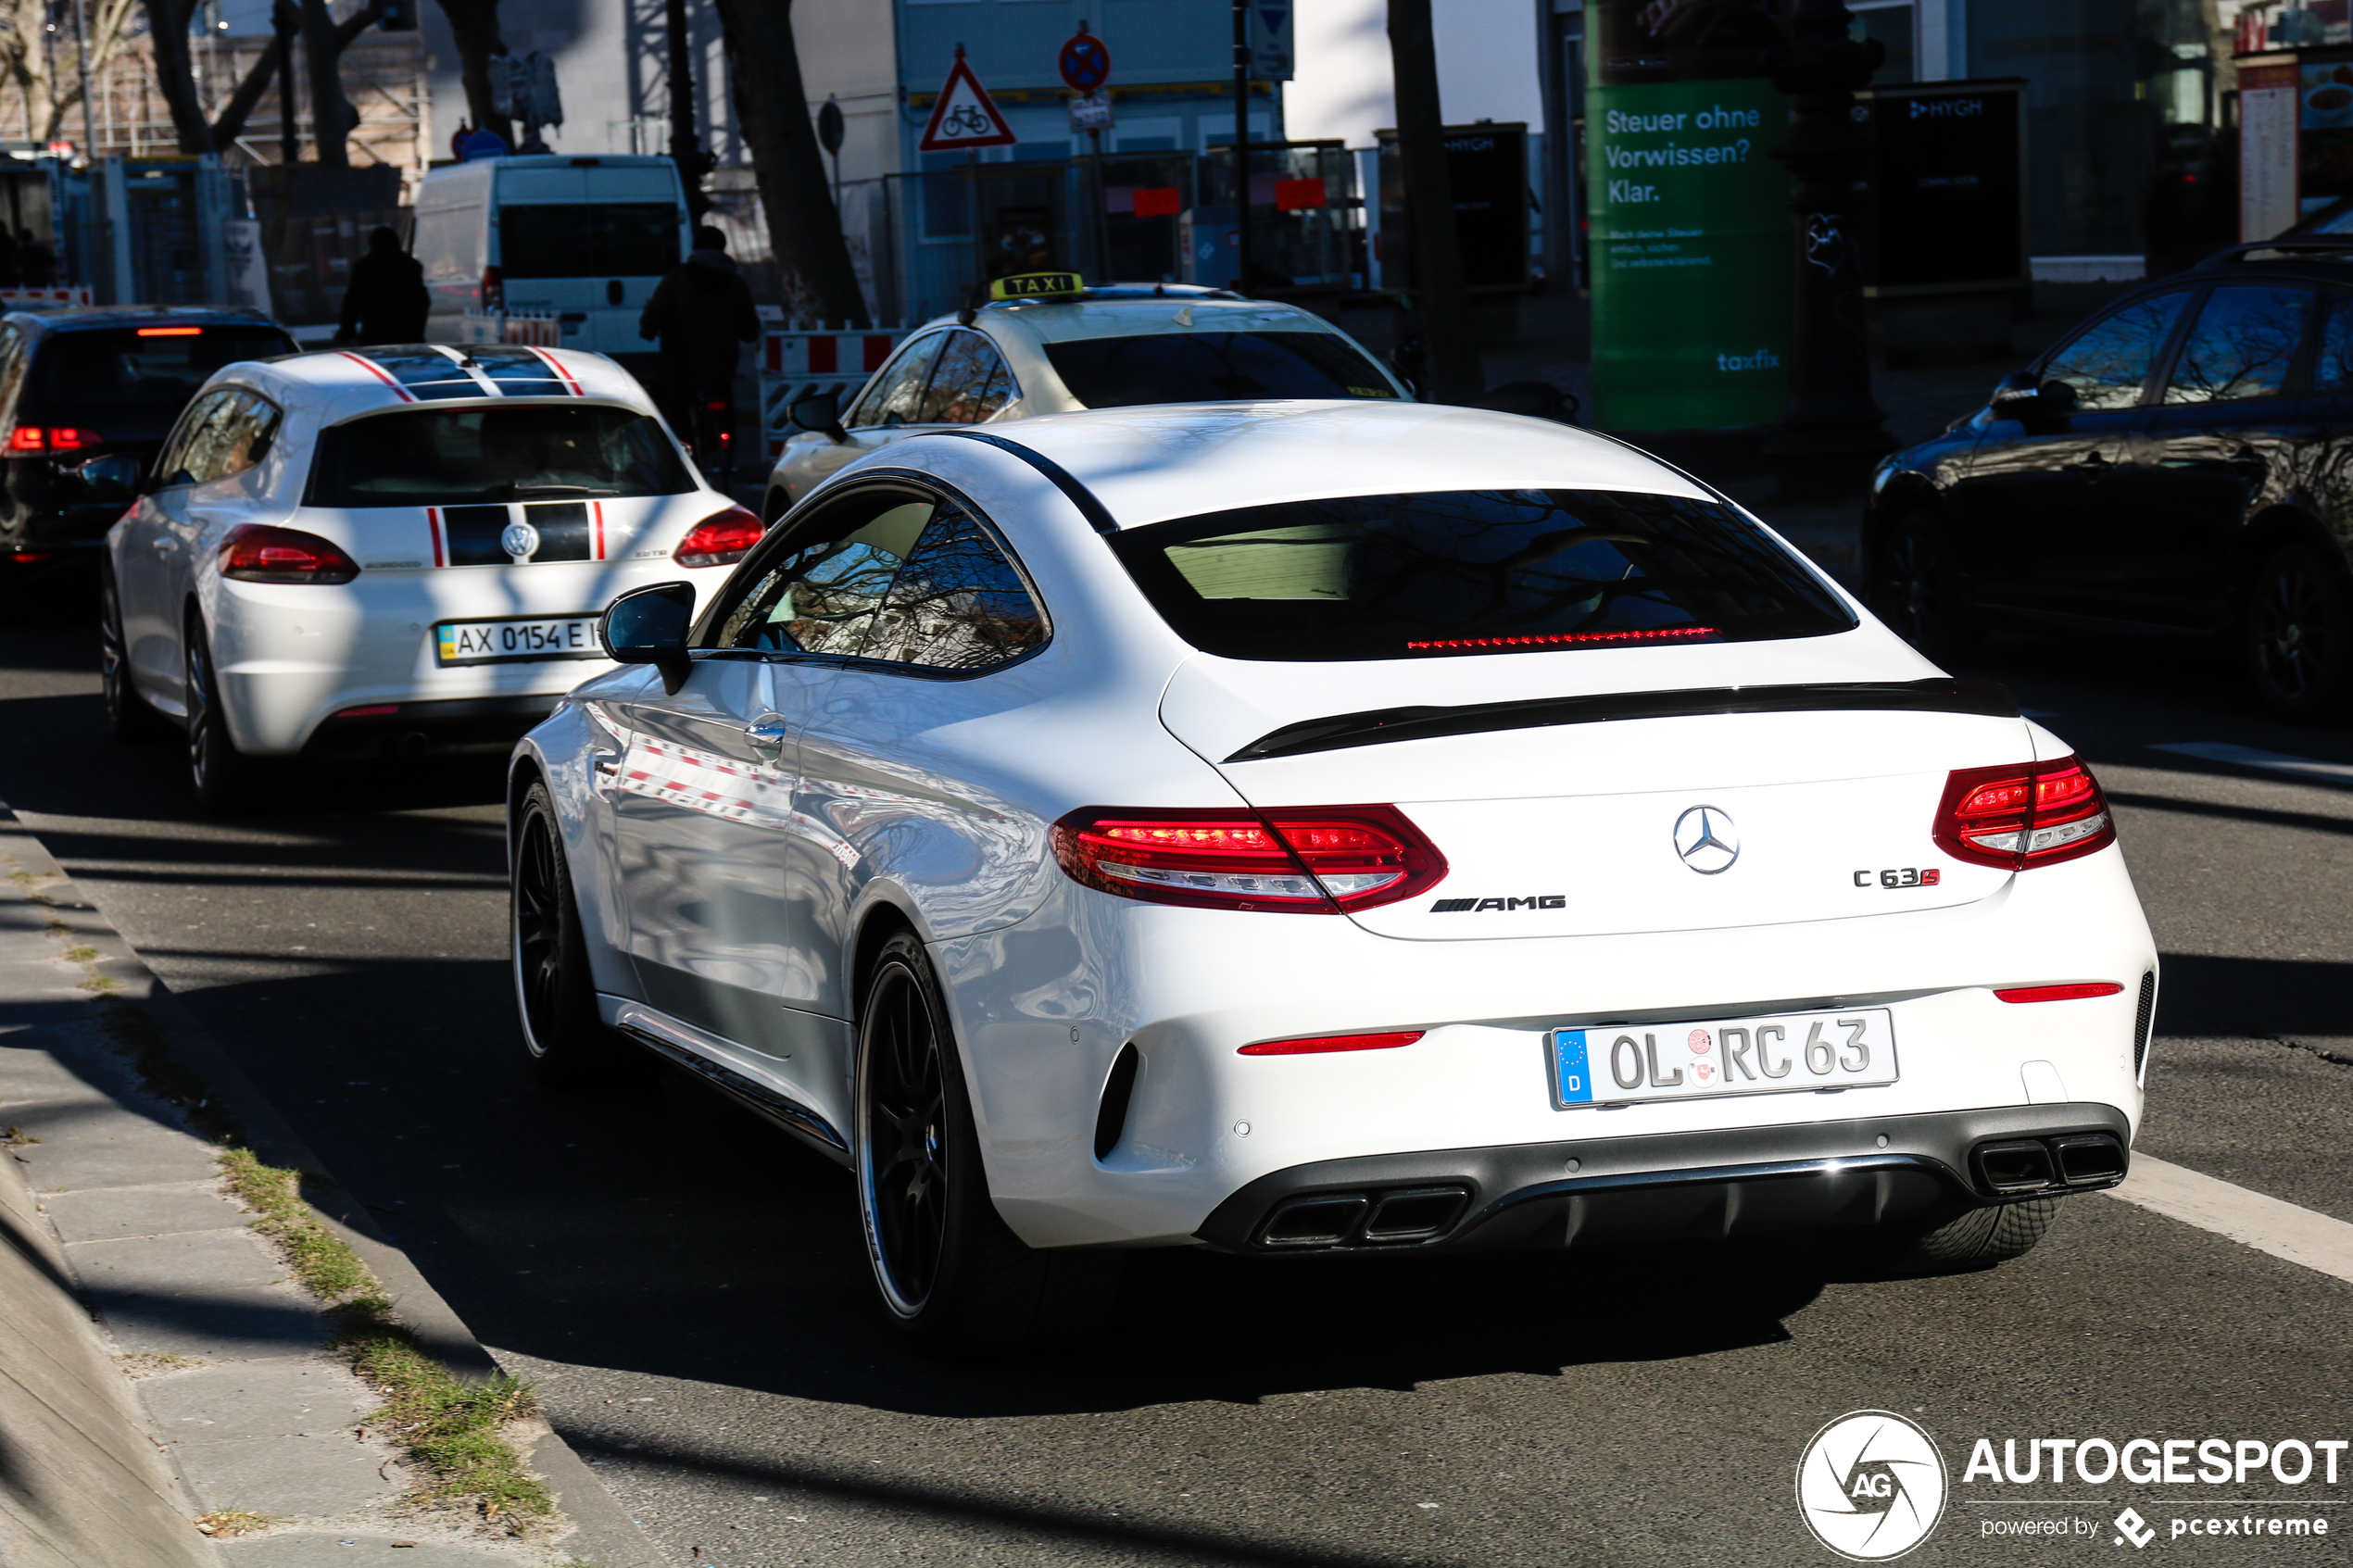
1919	591
953	1277
2298	634
128	716
905	1111
563	1034
225	778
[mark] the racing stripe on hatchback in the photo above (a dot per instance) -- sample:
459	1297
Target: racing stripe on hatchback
430	374
469	536
565	530
520	371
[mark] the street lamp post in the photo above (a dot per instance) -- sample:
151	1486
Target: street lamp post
1831	429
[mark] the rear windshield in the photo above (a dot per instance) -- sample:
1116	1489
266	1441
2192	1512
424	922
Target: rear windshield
1473	571
1119	373
451	457
608	240
83	377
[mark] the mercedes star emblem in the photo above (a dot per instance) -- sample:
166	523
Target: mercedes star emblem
519	540
1706	840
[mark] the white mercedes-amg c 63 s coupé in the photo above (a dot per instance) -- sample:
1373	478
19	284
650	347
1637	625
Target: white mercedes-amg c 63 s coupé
1306	828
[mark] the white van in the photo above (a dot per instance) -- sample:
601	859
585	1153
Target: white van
585	238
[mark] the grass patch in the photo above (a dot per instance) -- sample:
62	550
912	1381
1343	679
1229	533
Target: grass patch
155	1363
80	954
13	1137
223	1524
452	1429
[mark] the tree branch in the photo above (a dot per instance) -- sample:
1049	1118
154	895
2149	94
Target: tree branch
232	123
348	29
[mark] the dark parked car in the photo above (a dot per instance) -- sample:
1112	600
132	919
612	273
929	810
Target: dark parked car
2182	463
76	384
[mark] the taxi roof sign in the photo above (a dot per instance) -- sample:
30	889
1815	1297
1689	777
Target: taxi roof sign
1037	285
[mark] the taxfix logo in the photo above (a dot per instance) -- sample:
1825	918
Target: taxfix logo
1871	1486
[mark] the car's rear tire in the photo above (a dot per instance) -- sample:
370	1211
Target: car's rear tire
2296	634
563	1034
128	716
225	779
1976	1238
1917	589
951	1275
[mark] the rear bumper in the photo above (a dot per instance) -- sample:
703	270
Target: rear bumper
1672	1186
481	723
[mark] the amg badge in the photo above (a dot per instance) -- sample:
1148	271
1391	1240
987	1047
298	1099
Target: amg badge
1479	906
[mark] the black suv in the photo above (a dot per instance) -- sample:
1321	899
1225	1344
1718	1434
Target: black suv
2182	463
77	383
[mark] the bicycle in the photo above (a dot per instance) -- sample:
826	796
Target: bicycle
711	436
968	120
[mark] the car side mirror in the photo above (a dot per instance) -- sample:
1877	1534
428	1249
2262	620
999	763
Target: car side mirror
2020	396
649	627
114	477
818	412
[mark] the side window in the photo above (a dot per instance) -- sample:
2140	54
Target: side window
969	383
2109	361
898	394
2333	365
240	438
187	450
2241	345
958	603
818	593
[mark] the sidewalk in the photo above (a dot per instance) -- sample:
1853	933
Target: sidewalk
212	1422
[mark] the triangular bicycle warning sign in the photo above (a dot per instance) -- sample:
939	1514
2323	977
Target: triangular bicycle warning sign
964	117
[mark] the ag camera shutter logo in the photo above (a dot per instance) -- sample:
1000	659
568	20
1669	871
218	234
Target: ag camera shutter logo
1871	1486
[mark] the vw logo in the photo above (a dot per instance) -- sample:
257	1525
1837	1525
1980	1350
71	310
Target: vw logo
1706	841
519	540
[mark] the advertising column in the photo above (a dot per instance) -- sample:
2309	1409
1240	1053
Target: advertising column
1690	216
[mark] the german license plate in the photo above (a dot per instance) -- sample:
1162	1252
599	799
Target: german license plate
515	640
1779	1053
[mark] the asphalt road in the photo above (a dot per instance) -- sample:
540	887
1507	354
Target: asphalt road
685	1288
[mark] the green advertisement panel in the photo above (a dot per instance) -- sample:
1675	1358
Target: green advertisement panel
1691	248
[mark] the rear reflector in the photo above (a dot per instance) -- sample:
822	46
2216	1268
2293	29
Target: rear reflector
721	539
378	712
2024	815
1314	861
258	553
1319	1043
2060	993
1568	639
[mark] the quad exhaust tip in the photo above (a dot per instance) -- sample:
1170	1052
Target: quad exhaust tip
2072	1162
1397	1216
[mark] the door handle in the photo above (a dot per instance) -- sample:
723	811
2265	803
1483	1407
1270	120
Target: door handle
767	736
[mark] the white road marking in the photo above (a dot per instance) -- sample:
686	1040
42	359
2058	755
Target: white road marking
2265	1224
2271	762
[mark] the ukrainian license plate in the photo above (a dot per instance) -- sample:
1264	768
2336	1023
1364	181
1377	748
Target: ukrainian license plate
514	641
1779	1053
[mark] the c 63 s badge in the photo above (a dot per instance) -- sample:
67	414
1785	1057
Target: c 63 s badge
1479	906
1900	876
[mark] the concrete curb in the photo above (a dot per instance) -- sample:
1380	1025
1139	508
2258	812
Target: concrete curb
603	1533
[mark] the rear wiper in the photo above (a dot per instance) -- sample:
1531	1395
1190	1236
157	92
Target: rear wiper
517	489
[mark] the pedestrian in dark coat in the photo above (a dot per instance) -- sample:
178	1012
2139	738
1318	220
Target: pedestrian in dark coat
387	301
701	310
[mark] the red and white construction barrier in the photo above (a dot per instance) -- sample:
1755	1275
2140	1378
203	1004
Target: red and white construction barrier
14	300
793	365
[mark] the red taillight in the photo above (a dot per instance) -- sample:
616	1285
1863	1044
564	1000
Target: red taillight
720	539
171	331
257	553
1334	1043
52	438
2025	815
2074	993
1313	860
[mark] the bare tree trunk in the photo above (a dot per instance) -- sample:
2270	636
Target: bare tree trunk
475	26
804	227
175	75
1439	287
175	79
323	40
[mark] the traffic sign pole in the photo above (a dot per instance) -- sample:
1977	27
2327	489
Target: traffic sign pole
1085	64
1242	146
